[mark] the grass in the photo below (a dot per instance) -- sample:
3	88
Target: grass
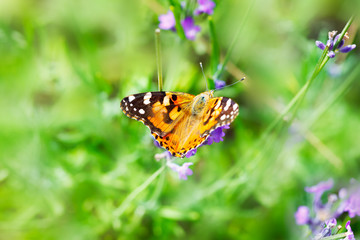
72	166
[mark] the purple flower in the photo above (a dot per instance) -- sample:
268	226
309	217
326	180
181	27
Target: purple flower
352	204
157	144
190	28
331	223
205	6
217	135
320	188
183	170
330	44
191	153
219	84
349	233
323	223
320	45
302	215
167	21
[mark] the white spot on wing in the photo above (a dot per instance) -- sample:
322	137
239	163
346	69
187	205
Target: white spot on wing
223	117
147	98
218	103
131	98
166	101
141	111
134	109
235	106
228	103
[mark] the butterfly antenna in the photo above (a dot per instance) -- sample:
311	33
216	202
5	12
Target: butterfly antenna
202	69
240	80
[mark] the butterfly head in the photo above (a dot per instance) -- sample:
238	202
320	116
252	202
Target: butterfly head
200	102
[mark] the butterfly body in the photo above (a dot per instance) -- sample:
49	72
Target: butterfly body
180	121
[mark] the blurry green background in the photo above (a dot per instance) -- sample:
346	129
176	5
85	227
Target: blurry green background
69	158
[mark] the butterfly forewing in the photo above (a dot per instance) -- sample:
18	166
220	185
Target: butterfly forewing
160	111
221	111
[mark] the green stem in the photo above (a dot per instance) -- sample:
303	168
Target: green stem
295	101
337	236
158	59
159	186
342	34
125	204
215	50
300	95
234	41
176	9
330	101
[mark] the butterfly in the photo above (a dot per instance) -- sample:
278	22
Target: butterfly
180	121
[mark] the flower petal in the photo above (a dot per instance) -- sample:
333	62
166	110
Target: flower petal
167	21
320	187
347	48
190	28
191	153
320	45
217	135
219	84
183	170
302	215
330	43
205	6
341	44
331	54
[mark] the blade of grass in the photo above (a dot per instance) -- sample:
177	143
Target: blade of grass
126	203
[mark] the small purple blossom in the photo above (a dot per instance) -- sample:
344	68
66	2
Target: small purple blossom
331	54
219	84
352	204
302	215
320	45
205	6
191	153
331	223
183	170
349	233
320	188
157	144
167	21
331	42
323	223
190	29
217	135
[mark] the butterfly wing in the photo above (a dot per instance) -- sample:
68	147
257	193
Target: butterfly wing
193	130
159	111
221	111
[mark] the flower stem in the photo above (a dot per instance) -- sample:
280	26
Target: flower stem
158	58
220	70
339	92
337	236
215	50
302	92
176	9
343	32
262	140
